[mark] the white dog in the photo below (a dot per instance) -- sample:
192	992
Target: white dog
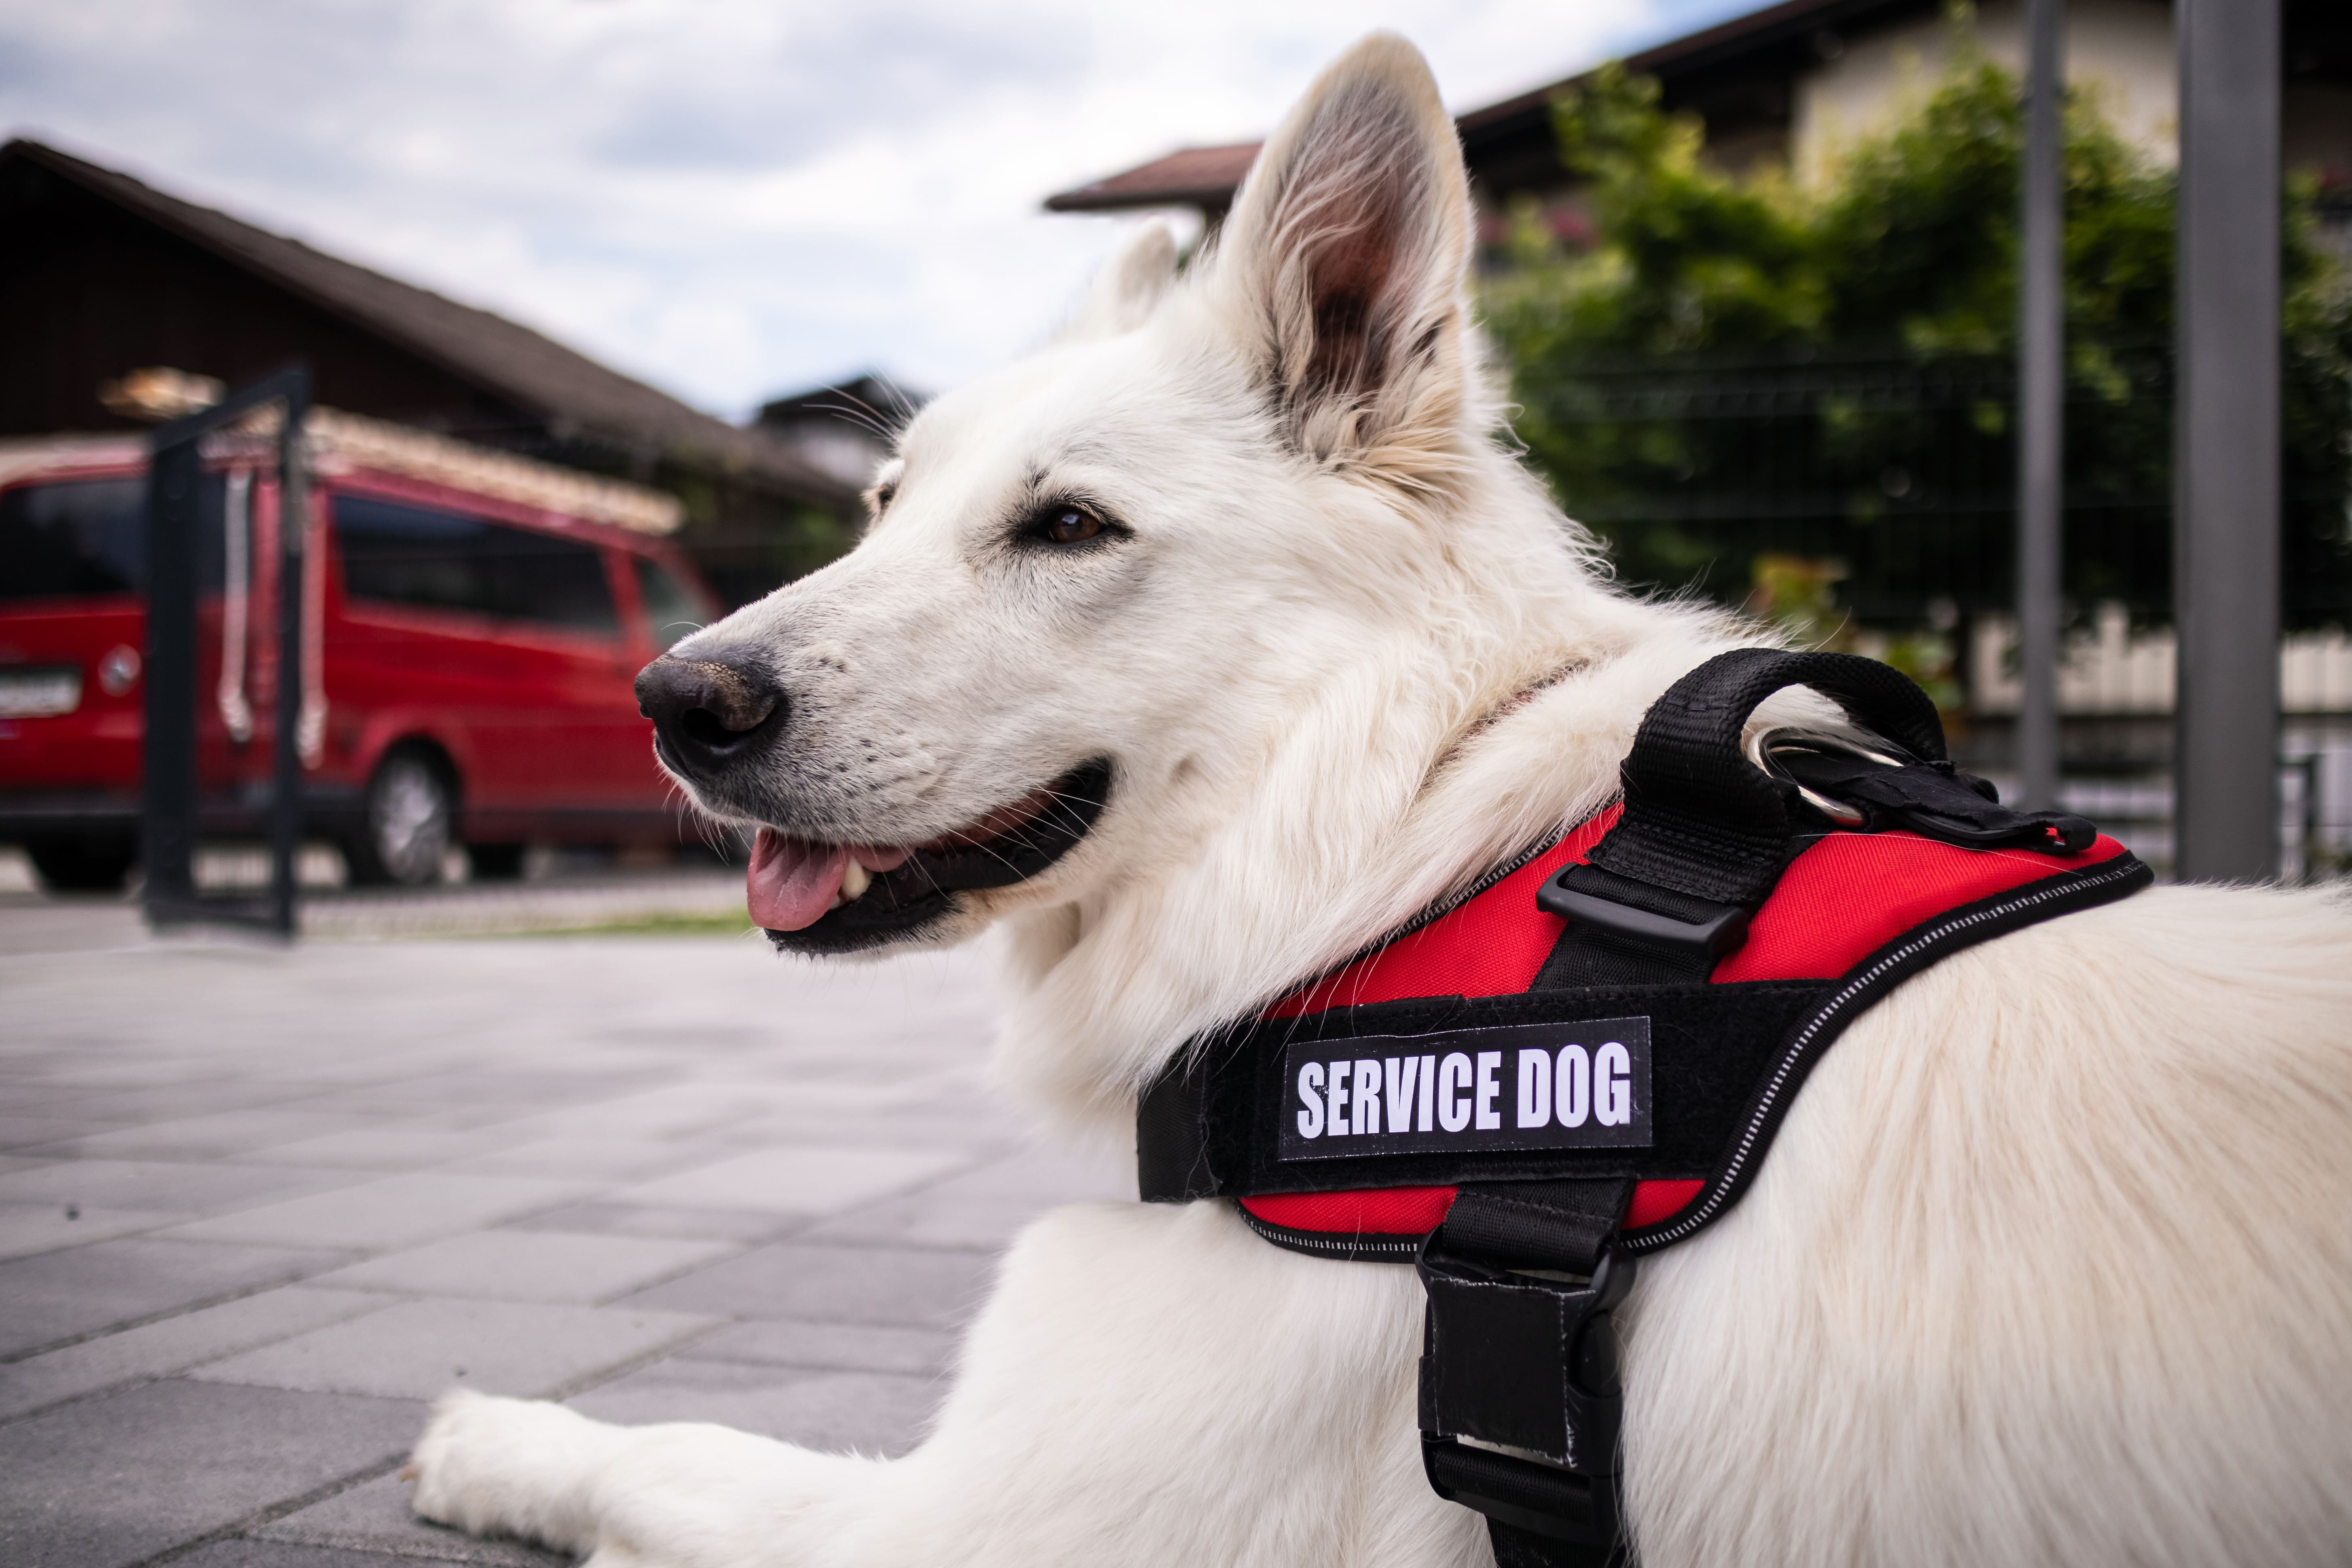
2050	1263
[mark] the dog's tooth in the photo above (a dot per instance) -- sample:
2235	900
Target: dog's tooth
853	882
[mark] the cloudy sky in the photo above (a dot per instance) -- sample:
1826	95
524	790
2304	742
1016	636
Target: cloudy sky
730	198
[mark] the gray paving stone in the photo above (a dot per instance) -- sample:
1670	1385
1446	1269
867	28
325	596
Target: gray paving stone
641	1219
466	1117
811	1180
917	1289
829	1347
174	1345
389	1212
59	1295
982	1208
680	1111
419	1350
20	1094
382	1148
41	1131
529	1266
245	1552
28	1228
188	1187
836	1411
617	1159
203	1137
171	1101
113	1480
524	1090
74	1065
976	1140
374	1517
562	1075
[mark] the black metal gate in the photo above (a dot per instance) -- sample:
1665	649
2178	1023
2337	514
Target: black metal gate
168	799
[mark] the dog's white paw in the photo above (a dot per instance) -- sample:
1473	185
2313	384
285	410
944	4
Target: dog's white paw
506	1467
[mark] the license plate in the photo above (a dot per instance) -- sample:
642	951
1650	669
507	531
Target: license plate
38	693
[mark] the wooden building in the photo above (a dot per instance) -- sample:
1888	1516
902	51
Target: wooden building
1787	84
104	275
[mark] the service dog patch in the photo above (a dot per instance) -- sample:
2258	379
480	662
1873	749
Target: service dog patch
1521	1086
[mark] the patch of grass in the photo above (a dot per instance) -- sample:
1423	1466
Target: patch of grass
733	922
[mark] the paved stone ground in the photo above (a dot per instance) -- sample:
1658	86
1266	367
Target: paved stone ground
587	894
258	1206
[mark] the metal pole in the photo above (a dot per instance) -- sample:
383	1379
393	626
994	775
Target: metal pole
2226	439
167	814
286	763
2041	403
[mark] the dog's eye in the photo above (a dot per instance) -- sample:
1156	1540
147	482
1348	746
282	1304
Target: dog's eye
1069	525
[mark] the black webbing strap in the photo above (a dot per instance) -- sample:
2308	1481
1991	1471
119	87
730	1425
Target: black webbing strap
1517	1354
1520	1352
1700	819
1706	832
1565	1225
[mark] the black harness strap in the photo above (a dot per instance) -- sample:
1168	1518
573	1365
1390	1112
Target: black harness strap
1518	1353
1563	1225
1519	1403
1517	1359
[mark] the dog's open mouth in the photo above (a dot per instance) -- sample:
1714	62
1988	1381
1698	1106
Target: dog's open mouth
813	897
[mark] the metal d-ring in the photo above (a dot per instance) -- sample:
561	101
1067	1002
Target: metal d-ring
1760	747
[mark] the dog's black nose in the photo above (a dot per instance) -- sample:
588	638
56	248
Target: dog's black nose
707	713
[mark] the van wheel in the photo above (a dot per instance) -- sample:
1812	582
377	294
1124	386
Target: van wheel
411	819
496	862
74	865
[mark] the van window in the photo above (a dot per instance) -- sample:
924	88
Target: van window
424	558
73	537
672	613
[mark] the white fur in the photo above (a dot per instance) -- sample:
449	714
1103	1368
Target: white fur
2048	1266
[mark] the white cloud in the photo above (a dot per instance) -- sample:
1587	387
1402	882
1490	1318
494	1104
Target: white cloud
729	197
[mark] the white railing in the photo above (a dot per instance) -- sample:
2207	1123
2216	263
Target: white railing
2112	668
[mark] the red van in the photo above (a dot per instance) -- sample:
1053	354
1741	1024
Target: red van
473	622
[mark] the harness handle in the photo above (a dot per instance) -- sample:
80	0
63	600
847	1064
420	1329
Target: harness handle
1708	826
1700	819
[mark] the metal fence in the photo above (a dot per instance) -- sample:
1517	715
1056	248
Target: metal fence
1902	469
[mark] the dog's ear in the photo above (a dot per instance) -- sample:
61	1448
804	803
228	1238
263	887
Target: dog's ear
1129	285
1342	267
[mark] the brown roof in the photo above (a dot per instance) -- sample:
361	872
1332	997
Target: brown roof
501	356
1208	176
1196	176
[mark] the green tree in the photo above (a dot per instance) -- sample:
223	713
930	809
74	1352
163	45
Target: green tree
1739	369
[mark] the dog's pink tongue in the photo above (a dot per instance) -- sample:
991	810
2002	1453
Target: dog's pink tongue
791	881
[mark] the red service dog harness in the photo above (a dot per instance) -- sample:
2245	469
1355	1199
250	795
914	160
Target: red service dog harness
1585	1057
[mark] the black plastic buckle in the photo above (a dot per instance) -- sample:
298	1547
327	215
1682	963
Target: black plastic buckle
1701	942
1534	1498
1527	1362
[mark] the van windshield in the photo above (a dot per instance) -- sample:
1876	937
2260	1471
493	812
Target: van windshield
74	538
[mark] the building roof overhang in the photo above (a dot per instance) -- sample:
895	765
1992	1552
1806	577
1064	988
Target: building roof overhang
1207	177
569	391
